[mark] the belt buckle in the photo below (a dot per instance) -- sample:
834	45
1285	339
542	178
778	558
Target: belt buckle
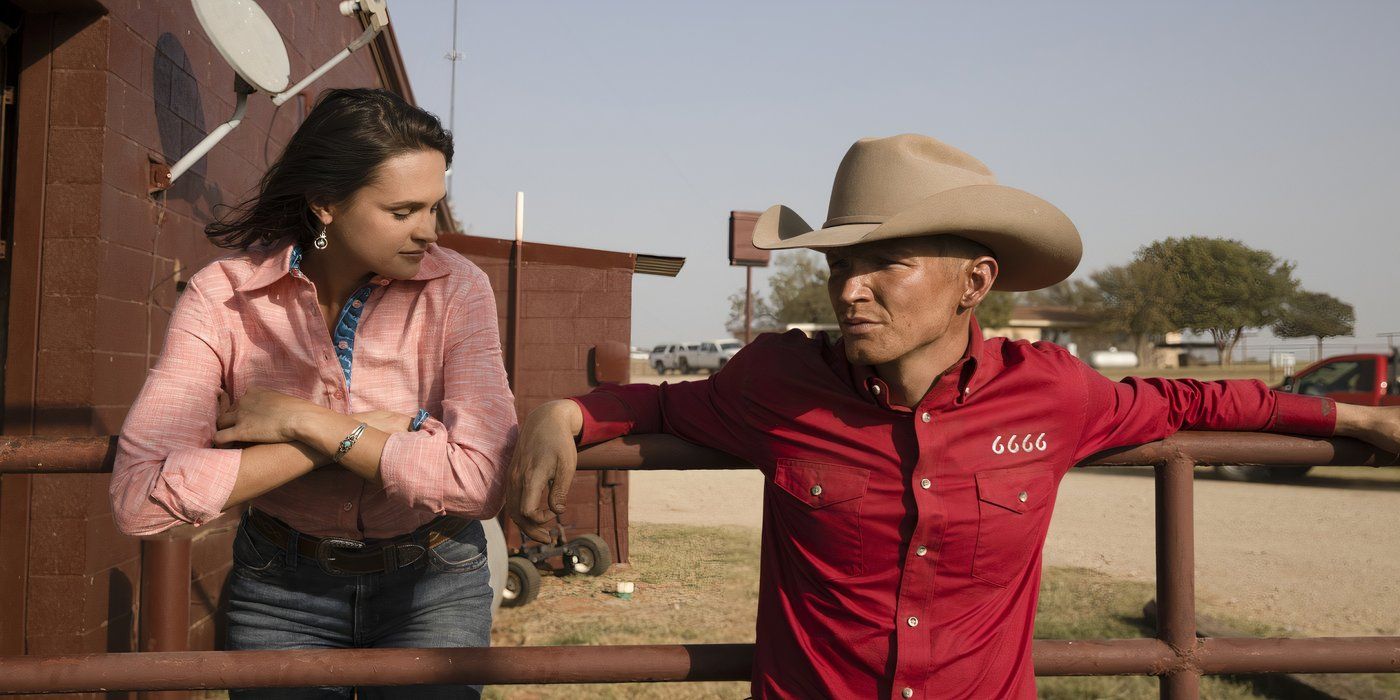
325	553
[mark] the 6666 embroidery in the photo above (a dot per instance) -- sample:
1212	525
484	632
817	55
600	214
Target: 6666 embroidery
1030	442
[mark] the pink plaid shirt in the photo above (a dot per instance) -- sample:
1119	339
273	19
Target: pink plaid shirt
428	343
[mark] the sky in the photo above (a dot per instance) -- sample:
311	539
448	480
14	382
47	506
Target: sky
638	126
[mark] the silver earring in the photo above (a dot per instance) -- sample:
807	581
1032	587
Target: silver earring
321	241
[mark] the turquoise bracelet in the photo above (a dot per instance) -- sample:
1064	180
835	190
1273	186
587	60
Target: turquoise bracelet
348	442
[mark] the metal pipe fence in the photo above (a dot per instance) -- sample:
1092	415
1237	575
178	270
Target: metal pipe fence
1177	656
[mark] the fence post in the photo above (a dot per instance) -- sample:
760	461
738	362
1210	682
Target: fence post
165	600
1176	581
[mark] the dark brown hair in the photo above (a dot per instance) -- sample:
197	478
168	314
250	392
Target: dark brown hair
336	151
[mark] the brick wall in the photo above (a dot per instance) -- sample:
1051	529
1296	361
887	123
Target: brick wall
136	84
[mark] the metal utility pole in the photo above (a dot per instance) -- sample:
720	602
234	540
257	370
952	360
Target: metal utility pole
748	304
742	252
453	56
1390	339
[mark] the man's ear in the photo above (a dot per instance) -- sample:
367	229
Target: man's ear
979	274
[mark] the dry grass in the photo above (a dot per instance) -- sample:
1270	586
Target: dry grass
697	584
694	585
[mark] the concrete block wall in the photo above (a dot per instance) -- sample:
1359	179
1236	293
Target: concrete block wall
136	84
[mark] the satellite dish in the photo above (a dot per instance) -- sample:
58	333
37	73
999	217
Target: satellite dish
248	41
252	46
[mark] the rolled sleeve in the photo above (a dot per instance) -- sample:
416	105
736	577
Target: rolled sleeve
1303	415
457	464
608	413
196	483
711	412
166	471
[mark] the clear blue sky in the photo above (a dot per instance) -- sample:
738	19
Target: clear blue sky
638	126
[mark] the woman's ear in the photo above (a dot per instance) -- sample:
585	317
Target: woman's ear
323	213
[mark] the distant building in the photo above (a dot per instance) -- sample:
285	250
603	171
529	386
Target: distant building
1034	323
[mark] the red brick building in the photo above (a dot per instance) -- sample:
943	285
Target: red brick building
94	94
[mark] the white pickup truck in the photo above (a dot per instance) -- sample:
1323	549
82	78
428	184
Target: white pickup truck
687	358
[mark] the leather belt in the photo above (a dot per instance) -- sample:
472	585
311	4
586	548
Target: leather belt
338	555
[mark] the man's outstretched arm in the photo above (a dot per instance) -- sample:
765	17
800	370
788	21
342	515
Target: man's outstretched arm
1139	410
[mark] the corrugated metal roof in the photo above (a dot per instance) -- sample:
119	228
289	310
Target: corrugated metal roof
663	265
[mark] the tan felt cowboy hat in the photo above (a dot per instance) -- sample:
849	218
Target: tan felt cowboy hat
911	185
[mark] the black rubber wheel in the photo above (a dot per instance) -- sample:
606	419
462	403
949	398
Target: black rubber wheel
593	553
684	366
522	582
660	367
1251	473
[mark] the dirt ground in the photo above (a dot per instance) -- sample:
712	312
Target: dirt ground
1319	557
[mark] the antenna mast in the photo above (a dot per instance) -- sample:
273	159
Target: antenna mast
453	56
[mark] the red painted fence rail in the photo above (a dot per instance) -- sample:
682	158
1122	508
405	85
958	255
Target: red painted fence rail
1177	656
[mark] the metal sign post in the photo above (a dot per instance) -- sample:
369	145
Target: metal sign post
743	253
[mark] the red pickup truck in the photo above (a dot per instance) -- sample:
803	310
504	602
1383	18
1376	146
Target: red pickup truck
1365	379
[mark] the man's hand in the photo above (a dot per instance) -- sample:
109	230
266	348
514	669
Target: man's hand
1377	425
544	461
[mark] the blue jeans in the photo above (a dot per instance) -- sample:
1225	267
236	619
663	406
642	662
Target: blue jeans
278	600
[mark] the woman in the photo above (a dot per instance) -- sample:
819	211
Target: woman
341	374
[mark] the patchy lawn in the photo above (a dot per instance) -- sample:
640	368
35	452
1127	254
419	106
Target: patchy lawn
700	585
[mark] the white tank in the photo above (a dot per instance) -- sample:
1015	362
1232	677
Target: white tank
1113	358
496	554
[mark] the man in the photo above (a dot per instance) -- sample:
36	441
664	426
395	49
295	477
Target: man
911	467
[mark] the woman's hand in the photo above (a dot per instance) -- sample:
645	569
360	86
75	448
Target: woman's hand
261	416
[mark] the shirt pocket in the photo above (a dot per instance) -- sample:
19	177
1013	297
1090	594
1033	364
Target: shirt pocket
1012	510
819	508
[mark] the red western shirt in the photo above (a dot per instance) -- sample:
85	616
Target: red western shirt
901	548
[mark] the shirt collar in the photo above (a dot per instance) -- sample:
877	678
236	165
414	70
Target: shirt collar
274	262
873	387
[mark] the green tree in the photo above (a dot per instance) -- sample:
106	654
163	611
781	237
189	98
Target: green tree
1079	295
1220	286
995	309
1315	315
796	293
797	289
762	316
1130	302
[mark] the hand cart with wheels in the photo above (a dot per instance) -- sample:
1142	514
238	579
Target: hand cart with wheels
587	539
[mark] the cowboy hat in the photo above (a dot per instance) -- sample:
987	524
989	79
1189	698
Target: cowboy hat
911	185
